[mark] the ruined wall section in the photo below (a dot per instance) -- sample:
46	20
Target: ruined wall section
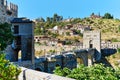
7	11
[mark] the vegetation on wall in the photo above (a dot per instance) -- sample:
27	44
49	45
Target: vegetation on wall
5	35
8	71
94	72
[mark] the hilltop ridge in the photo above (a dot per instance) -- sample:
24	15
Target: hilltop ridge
110	28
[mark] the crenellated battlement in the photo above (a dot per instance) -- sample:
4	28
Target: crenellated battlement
8	11
13	7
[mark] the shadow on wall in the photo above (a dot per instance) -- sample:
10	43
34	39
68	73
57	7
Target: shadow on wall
108	51
38	69
97	55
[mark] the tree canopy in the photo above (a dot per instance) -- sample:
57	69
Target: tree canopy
40	19
8	71
107	16
94	72
5	35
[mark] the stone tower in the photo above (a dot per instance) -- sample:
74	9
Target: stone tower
23	31
92	39
7	11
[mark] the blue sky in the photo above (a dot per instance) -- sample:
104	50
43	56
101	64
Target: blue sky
67	8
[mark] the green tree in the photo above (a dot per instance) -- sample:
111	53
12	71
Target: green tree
118	50
5	35
94	72
40	19
54	35
57	18
107	16
8	71
48	19
68	33
37	31
92	14
58	71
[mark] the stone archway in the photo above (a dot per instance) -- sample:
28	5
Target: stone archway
83	60
80	61
82	57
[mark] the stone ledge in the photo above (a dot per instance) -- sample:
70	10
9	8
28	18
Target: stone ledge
29	74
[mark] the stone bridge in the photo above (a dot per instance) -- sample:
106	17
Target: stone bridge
23	31
68	59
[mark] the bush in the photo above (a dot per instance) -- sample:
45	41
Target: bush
94	72
118	50
5	35
107	16
8	71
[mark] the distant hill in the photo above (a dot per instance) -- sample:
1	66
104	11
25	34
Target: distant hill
110	28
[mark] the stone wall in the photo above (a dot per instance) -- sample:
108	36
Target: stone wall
7	11
29	74
66	59
92	39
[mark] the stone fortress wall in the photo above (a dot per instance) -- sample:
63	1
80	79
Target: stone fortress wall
8	11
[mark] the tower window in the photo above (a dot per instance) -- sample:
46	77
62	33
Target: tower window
16	29
91	45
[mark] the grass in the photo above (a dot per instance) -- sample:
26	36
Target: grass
113	59
109	27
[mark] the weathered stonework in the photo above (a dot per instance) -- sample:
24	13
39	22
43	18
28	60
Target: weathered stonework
23	31
24	40
7	12
65	59
92	39
28	74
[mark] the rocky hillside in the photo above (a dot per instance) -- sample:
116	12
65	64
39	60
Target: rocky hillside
110	28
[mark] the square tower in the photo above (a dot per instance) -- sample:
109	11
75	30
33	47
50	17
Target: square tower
92	39
23	31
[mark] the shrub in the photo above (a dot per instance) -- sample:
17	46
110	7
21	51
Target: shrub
8	71
118	50
94	72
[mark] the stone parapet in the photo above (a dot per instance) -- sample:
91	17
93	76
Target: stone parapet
29	74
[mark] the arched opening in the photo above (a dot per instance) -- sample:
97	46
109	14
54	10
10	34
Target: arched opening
82	58
79	61
19	55
57	65
38	69
90	44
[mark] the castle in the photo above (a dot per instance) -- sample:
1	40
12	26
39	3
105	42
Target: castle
7	11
